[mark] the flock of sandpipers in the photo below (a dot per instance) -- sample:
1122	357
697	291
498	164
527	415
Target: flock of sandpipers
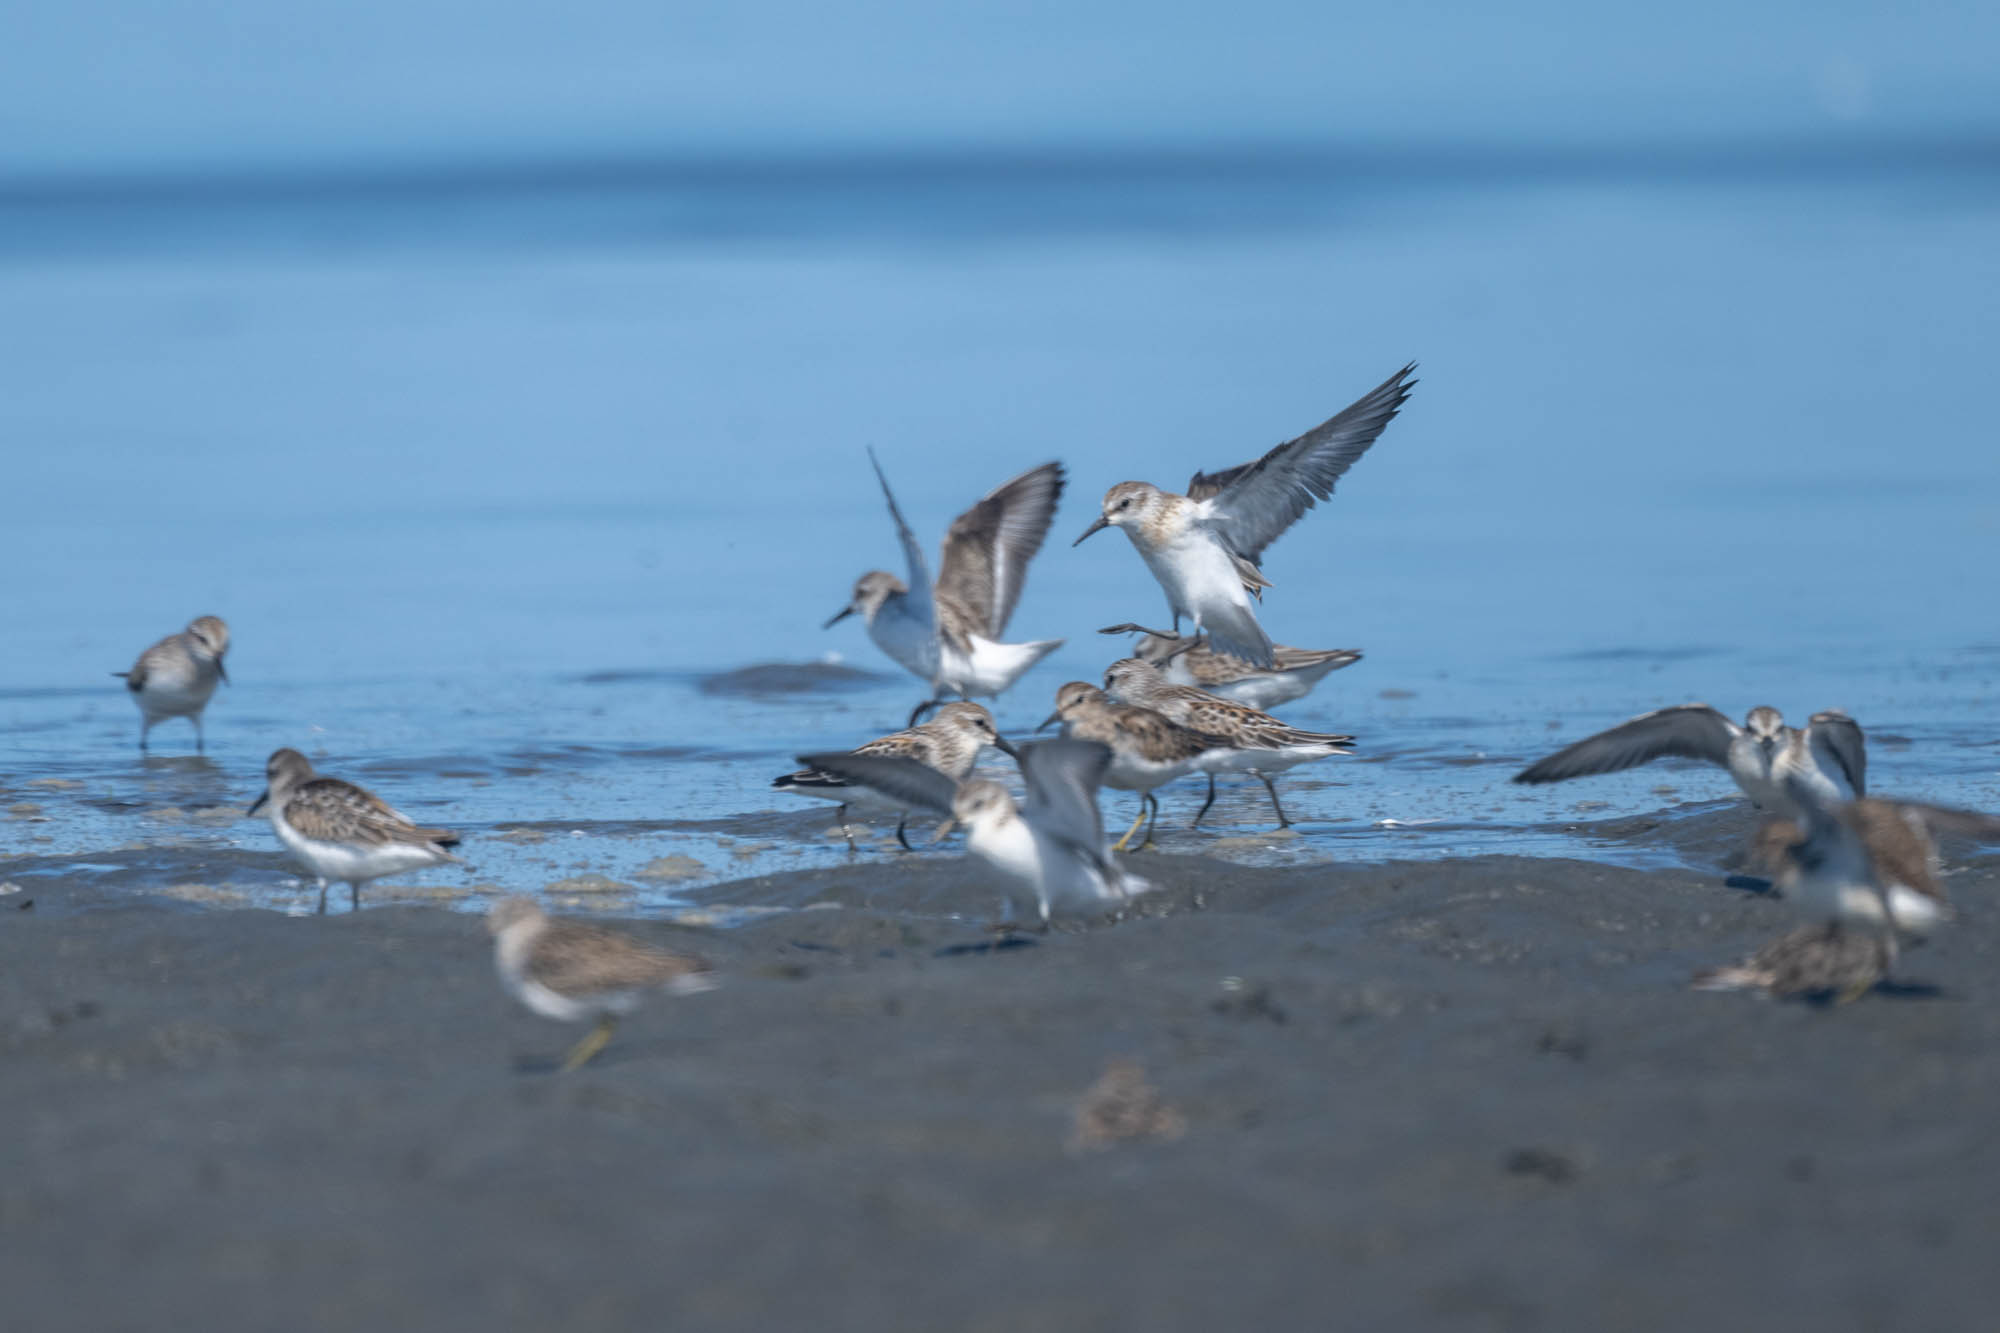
1862	871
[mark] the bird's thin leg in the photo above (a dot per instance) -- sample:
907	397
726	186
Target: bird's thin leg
845	831
590	1045
1153	823
1282	821
353	895
1120	845
901	823
322	897
944	829
145	729
200	741
1205	804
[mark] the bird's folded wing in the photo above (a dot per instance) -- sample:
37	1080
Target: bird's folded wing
575	959
1251	505
331	810
904	781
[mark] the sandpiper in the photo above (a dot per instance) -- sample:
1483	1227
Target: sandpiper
1186	660
569	971
341	832
948	635
950	743
1148	749
1829	753
176	676
1867	867
1051	846
1259	744
1205	547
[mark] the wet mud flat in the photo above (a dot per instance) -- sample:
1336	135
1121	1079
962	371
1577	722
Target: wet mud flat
1468	1094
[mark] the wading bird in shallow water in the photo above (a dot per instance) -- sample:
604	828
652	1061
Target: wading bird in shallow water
343	833
948	635
1862	873
1185	660
1258	744
176	676
1829	754
1205	547
949	743
1051	847
1148	749
570	972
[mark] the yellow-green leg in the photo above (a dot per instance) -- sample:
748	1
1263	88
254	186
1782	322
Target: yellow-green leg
1120	845
593	1043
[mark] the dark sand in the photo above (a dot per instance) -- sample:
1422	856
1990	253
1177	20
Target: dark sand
1459	1095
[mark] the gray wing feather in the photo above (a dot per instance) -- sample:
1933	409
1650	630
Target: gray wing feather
1063	777
918	599
986	553
1837	742
1252	504
1972	824
1689	731
902	780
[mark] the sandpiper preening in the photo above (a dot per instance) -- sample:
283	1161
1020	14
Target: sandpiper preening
573	972
342	833
951	743
948	634
1205	547
1148	749
1829	754
177	675
1050	847
1185	660
1259	744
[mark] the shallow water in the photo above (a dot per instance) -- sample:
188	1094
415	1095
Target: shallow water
501	489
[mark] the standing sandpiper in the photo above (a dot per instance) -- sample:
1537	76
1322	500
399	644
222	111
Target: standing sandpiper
1205	547
1185	661
570	972
341	832
176	676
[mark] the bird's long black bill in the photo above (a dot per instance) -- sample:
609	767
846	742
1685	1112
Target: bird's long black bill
258	804
1049	721
839	616
1097	527
220	671
1006	747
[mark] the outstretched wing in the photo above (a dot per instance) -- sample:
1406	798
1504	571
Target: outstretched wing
1251	505
918	599
987	551
1974	824
1689	731
1063	777
1838	746
904	781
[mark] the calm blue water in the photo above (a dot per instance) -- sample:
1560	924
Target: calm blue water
489	473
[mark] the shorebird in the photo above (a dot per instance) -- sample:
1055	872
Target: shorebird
949	743
176	676
1258	743
570	972
1148	749
1185	660
1866	868
948	635
1205	547
1051	847
341	832
1828	754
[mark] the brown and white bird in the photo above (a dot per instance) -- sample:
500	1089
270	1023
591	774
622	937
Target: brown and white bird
1148	749
1186	660
343	833
1259	744
950	743
1829	754
177	675
948	634
1866	868
573	972
1205	547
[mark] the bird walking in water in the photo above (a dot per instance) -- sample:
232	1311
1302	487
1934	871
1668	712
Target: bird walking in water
176	676
1148	749
948	634
950	743
1205	547
343	833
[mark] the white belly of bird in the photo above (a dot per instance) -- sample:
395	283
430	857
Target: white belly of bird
1131	772
1043	871
912	643
1198	576
1265	761
990	669
1262	693
176	695
1852	901
350	863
